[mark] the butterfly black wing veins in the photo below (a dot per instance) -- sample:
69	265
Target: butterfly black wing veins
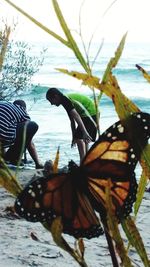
44	199
76	195
111	162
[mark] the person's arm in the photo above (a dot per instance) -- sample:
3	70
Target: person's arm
33	153
73	129
76	117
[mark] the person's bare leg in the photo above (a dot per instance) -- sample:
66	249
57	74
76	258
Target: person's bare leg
81	148
86	147
33	153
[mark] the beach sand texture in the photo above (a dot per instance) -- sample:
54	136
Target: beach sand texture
18	249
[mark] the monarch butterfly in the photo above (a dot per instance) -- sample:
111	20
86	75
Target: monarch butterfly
79	194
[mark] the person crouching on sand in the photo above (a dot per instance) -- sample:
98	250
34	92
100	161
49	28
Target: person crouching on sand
81	110
14	120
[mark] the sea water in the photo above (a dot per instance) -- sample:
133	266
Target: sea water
54	125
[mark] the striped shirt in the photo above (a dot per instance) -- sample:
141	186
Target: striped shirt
10	116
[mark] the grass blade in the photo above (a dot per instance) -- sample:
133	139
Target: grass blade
70	37
56	36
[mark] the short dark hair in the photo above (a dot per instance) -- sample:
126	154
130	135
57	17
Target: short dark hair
20	103
52	92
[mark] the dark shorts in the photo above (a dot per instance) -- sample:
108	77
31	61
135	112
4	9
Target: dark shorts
90	126
14	152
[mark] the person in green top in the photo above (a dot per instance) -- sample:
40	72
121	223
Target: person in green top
81	111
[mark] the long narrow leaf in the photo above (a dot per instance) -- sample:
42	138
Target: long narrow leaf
113	61
70	37
114	230
144	178
122	104
135	239
56	161
56	36
140	193
71	43
56	231
8	179
89	80
144	72
9	182
146	159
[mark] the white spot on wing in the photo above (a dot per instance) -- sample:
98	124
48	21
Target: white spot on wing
109	135
37	205
120	128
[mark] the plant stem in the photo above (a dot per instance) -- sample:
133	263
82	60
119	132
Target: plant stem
110	245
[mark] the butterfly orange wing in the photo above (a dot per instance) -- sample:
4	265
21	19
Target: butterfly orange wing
74	196
45	198
111	162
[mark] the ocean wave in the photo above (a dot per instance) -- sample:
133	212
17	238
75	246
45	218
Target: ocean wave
129	73
39	91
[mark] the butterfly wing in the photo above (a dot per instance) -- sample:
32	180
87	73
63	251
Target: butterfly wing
46	198
111	162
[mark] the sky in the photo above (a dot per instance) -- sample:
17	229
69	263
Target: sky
96	19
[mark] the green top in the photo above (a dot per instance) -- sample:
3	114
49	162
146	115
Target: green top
83	104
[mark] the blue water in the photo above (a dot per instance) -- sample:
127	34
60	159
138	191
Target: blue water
54	126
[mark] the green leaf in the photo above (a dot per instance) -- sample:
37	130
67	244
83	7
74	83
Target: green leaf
114	230
89	80
56	231
123	105
69	36
9	182
79	247
56	36
56	161
135	239
140	193
113	61
145	163
144	72
70	43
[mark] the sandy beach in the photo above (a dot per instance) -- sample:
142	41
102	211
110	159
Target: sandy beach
35	61
18	248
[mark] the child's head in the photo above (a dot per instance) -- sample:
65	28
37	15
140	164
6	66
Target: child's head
20	103
54	96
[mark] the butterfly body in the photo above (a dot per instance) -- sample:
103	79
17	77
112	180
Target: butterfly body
78	195
78	176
